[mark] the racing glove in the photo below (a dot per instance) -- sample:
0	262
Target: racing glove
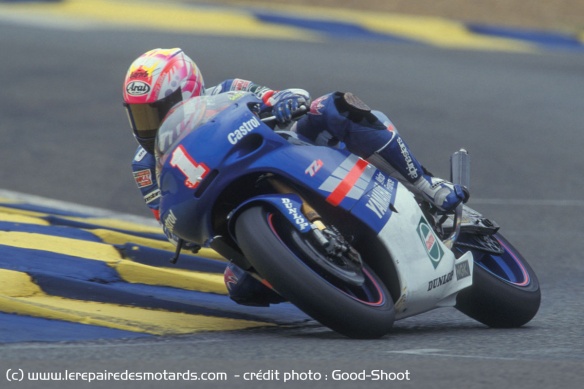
287	104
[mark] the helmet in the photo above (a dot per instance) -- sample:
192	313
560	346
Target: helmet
155	82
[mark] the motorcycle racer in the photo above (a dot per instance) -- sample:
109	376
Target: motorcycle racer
161	78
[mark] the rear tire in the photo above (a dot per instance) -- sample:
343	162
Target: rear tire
505	292
276	250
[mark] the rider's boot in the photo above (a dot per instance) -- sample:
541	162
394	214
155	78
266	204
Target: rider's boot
441	193
244	289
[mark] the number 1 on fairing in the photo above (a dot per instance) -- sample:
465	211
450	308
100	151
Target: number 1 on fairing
193	171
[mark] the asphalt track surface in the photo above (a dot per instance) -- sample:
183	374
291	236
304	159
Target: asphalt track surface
520	115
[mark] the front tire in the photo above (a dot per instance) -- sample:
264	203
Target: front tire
278	253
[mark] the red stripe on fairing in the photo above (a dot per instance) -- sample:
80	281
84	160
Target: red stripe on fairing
341	191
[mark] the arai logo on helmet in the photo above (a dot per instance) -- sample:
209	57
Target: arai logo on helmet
137	88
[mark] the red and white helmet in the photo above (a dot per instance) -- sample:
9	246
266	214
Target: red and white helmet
155	82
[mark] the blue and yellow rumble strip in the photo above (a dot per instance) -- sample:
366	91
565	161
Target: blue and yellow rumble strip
262	20
70	276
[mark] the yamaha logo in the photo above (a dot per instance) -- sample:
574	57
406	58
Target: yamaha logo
137	88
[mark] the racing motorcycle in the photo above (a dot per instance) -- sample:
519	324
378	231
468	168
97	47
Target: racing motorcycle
331	233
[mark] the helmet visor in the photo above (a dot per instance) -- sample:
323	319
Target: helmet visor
145	119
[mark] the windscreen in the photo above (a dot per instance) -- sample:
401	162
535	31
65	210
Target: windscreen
188	116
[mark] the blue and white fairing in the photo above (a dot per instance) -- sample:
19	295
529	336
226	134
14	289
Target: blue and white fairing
209	142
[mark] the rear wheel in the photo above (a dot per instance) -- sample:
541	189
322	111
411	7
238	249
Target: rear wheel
340	294
505	291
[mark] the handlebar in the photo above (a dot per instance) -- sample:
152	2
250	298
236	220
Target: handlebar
302	110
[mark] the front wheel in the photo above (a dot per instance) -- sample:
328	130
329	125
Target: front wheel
288	261
505	292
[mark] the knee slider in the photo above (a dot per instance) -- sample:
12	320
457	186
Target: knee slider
353	108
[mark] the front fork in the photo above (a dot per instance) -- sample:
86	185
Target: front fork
328	238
